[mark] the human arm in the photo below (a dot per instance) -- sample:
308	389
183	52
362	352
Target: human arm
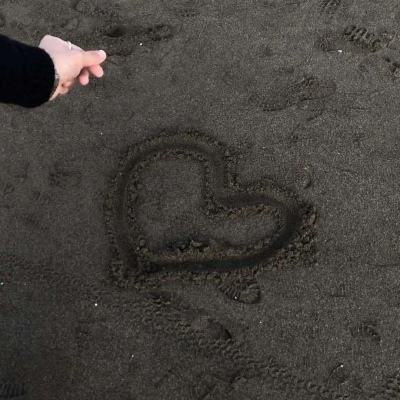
27	73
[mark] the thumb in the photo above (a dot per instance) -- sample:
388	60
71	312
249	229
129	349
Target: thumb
90	58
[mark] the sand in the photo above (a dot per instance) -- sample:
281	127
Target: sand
214	219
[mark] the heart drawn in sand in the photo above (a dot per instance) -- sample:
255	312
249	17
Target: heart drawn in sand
223	206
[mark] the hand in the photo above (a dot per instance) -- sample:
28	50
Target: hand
72	65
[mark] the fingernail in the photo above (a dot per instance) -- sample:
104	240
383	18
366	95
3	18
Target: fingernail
102	52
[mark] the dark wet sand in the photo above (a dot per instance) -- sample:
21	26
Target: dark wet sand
214	219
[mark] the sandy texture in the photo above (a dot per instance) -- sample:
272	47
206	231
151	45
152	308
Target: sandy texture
214	219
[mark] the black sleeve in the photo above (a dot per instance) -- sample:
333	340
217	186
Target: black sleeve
26	73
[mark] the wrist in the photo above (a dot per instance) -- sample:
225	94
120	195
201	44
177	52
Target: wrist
56	83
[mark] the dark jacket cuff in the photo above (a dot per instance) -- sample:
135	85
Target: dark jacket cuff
27	73
39	76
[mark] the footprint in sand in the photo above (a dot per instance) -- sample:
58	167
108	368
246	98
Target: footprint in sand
285	93
12	390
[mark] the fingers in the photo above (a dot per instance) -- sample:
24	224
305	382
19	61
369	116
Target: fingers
90	61
95	70
84	77
92	58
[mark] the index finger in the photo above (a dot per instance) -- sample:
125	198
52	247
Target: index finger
95	70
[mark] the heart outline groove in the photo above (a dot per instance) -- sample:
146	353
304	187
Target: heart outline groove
133	264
